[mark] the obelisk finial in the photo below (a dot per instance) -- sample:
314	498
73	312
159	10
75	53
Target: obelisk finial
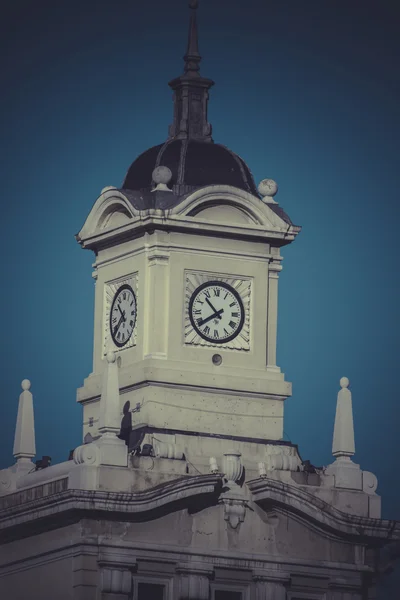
192	57
191	91
343	435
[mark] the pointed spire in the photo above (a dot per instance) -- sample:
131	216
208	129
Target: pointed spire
192	57
343	434
24	440
110	418
191	91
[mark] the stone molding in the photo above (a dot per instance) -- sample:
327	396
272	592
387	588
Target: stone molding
167	447
282	458
127	506
88	454
286	498
265	223
273	576
34	508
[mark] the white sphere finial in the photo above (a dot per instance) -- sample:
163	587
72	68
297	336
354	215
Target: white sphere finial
267	188
344	382
161	175
25	384
111	357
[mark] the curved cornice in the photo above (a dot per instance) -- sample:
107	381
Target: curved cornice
257	211
110	200
270	494
20	518
263	224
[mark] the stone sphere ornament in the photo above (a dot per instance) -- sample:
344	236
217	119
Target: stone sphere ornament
111	357
344	382
267	187
161	175
26	385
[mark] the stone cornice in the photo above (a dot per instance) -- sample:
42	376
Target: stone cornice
280	497
19	518
264	224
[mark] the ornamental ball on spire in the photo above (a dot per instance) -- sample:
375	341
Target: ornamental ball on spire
25	384
344	382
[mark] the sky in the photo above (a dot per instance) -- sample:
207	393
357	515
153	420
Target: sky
307	93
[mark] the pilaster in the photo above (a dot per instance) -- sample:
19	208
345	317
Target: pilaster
116	575
156	305
270	585
194	581
272	321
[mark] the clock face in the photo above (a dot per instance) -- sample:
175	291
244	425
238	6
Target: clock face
123	315
216	312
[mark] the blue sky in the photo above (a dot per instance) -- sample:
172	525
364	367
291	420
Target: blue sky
307	93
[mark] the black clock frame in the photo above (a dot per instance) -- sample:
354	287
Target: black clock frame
121	289
230	289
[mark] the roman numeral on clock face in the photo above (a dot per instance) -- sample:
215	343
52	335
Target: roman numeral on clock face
122	315
210	312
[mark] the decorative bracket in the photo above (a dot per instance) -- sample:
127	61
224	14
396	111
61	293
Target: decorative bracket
234	511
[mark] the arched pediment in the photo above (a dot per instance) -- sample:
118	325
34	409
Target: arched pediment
228	205
110	211
222	212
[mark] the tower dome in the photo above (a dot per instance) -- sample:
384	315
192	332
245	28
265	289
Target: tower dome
190	152
193	164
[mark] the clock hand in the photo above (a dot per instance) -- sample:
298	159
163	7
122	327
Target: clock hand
217	313
209	304
122	313
118	324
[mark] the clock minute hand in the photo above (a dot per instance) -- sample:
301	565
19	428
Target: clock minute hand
118	324
209	304
122	314
217	313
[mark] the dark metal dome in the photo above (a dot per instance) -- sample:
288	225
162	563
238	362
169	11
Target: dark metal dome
190	153
193	164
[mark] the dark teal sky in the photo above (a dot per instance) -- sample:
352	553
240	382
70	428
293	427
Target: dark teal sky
308	93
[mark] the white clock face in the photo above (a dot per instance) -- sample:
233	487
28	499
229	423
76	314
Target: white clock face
216	312
123	315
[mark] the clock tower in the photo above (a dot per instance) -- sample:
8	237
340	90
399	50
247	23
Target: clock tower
183	488
186	271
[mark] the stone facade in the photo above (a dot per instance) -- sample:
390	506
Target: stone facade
156	522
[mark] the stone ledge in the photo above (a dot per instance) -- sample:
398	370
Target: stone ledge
20	519
274	495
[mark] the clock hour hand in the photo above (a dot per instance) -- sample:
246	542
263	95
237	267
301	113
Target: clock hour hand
217	313
122	319
122	314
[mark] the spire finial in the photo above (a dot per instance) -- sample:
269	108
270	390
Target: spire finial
192	57
24	440
343	435
191	91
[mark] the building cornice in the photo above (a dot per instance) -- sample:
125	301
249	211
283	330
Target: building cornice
279	497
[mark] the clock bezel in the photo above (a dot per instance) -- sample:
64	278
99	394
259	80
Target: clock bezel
235	293
125	286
